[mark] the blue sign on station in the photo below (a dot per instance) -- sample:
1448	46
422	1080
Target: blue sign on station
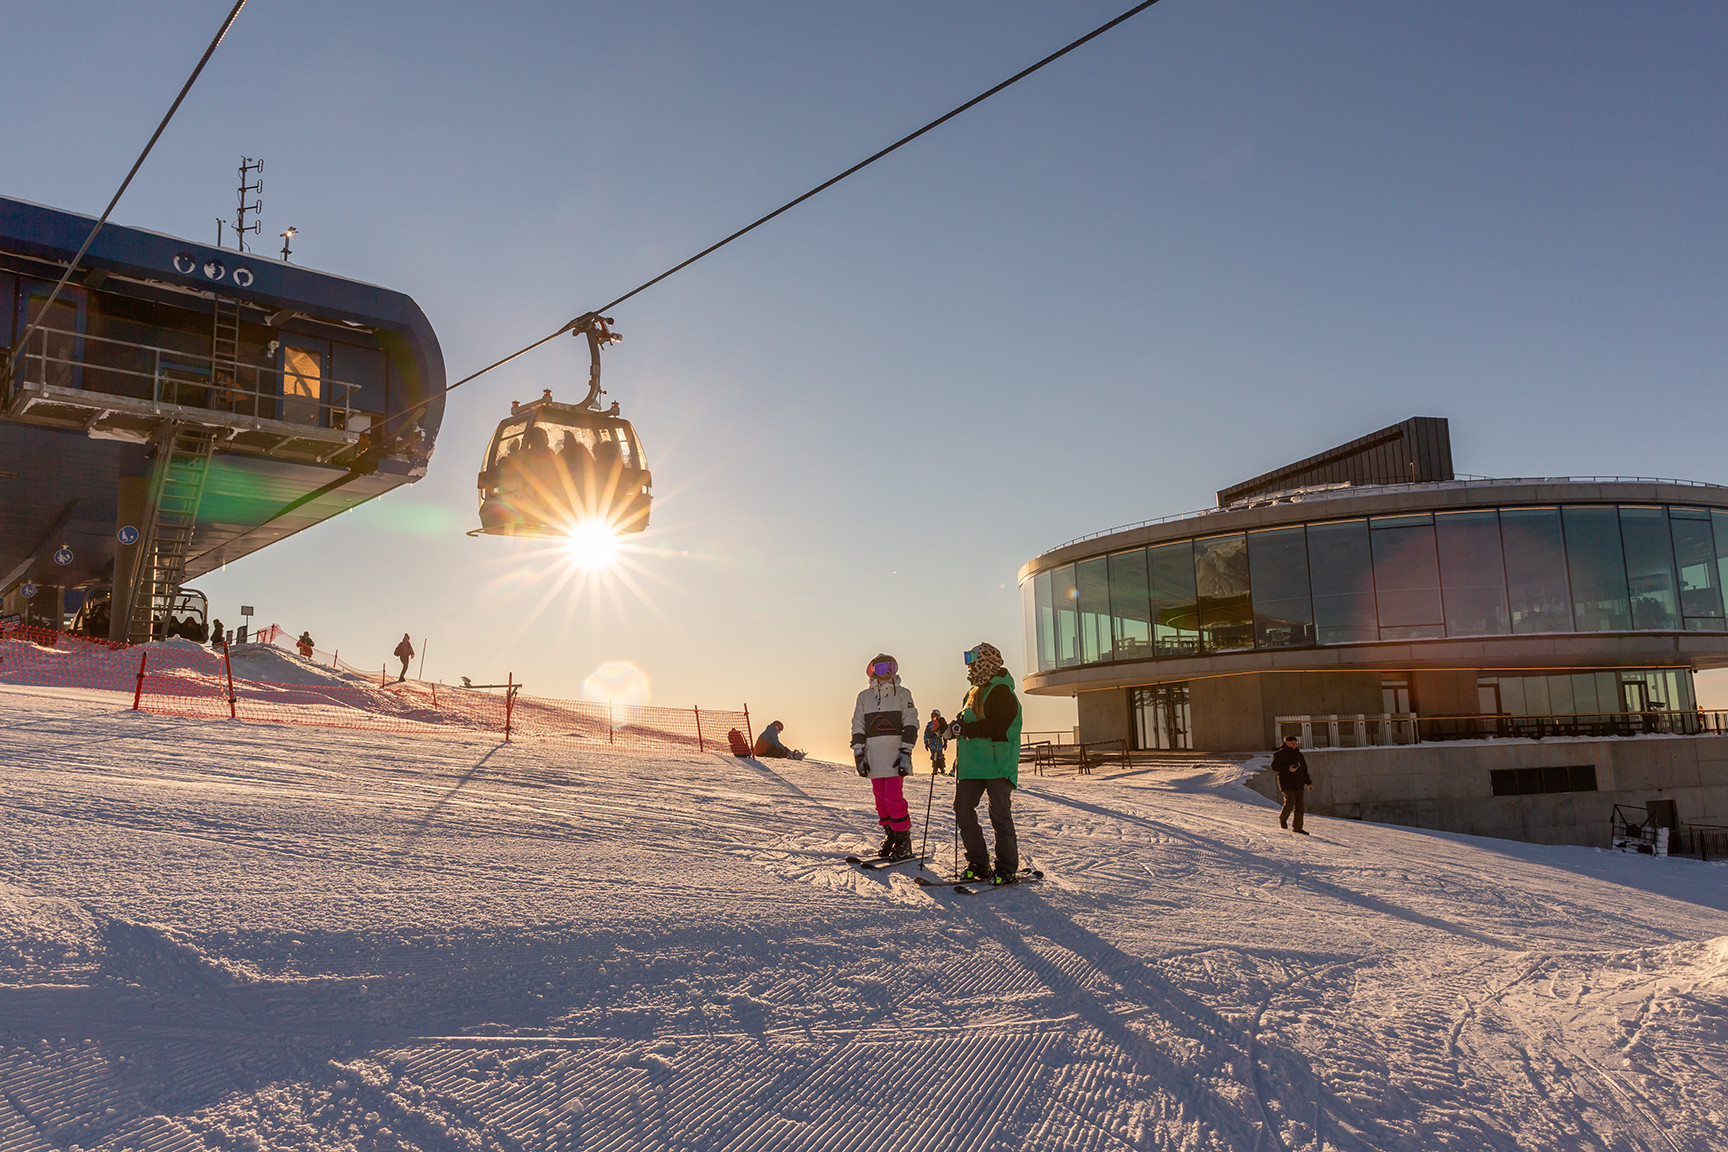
27	591
62	555
127	534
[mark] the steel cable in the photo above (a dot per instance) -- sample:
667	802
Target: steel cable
793	203
221	34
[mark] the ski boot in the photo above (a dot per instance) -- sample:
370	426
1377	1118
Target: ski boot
900	845
887	843
976	875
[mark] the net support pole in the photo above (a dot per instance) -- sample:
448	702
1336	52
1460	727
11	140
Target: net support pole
749	729
228	668
138	692
698	711
509	703
609	726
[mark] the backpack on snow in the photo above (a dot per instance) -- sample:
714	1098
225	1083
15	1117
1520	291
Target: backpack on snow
740	746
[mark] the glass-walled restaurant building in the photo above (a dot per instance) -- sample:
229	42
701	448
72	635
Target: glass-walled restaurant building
1427	638
1455	600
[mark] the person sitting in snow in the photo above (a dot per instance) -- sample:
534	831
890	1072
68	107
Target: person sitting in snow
305	645
884	732
987	762
936	742
768	744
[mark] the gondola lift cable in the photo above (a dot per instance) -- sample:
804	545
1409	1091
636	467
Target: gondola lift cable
581	324
42	317
595	324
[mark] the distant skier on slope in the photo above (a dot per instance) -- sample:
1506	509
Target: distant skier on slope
404	653
987	761
305	645
936	742
884	732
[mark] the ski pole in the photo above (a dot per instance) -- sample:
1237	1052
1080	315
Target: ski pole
924	841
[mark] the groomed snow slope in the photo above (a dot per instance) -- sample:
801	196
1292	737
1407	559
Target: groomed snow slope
229	936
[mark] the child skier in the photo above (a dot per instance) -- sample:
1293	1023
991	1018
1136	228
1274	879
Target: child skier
936	742
884	732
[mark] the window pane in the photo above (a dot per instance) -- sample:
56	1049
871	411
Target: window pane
1093	581
1278	565
1598	570
1472	575
1584	699
1130	605
1650	568
1535	570
1407	582
1695	556
1341	572
1175	624
1221	580
1067	601
1041	593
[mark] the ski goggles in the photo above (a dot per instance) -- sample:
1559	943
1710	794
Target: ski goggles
884	669
971	657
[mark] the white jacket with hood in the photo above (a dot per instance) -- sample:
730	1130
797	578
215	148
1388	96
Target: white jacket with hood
885	721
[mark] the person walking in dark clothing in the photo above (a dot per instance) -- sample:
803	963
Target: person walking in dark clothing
1293	781
404	653
987	763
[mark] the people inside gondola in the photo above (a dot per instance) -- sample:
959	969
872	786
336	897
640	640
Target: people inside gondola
578	461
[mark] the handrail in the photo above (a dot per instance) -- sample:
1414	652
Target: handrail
1332	491
191	361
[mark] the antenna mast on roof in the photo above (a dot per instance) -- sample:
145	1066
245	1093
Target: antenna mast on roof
248	168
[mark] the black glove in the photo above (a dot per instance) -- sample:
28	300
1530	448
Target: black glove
903	762
858	759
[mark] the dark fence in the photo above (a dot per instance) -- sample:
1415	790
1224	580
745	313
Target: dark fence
1653	723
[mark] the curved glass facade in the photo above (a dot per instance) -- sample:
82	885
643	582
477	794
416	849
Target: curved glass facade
1482	572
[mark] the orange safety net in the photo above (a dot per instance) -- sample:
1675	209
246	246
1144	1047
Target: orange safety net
180	678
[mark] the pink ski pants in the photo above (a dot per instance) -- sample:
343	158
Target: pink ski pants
891	803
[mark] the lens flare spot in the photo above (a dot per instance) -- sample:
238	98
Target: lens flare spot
618	682
592	546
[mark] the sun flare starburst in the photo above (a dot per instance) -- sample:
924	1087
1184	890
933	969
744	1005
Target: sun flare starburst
591	546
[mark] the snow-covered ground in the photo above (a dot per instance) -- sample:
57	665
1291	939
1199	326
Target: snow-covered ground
230	936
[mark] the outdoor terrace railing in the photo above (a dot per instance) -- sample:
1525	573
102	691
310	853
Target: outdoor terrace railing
59	358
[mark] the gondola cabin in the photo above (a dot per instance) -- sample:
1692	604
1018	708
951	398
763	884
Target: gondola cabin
552	468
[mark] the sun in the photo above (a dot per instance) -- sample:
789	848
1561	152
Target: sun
591	546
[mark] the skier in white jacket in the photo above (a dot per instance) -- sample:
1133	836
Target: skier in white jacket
884	732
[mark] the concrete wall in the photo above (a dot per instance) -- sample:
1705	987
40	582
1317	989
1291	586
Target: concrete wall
1104	715
1446	785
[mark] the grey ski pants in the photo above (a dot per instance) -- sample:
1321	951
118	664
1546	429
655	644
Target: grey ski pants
967	793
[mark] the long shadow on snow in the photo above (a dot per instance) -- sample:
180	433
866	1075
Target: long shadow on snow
1295	873
431	814
1191	1017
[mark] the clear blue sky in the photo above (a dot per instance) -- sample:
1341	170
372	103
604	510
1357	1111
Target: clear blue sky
1225	236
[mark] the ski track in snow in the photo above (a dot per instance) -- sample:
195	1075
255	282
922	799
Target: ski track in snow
231	936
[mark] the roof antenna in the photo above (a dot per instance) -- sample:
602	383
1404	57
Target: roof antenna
288	238
248	167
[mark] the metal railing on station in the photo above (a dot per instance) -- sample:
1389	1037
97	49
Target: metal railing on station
125	370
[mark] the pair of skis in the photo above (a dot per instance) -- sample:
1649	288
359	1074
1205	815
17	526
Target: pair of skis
973	887
963	887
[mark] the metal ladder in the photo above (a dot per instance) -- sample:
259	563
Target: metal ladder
225	352
176	490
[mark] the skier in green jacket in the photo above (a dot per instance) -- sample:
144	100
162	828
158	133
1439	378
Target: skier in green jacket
987	762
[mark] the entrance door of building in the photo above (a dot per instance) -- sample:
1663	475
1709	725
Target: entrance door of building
1161	717
1636	695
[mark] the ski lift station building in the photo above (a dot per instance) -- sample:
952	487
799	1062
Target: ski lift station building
180	406
1510	657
